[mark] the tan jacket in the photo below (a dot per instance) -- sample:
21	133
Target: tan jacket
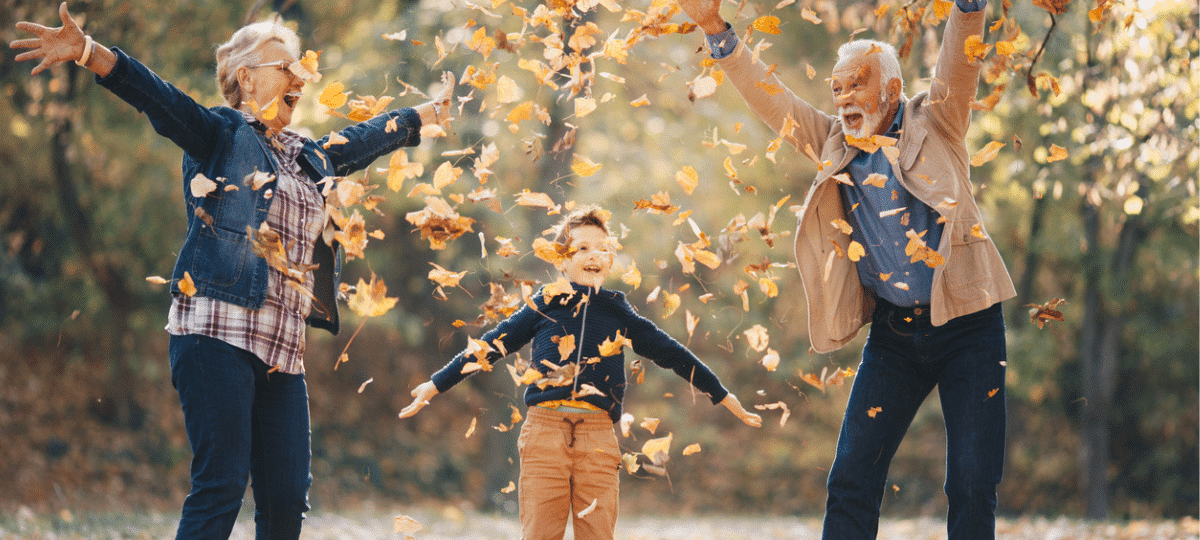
933	166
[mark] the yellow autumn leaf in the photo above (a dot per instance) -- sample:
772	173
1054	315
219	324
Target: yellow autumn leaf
687	178
613	346
855	251
201	186
941	8
471	428
1005	48
1057	153
974	47
671	303
654	446
533	198
691	449
810	16
632	277
987	153
186	286
445	278
307	69
585	167
767	23
874	411
507	90
521	112
370	299
640	102
406	525
875	179
841	225
771	360
511	487
566	346
757	337
584	106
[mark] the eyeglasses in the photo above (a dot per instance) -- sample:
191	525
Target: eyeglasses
284	65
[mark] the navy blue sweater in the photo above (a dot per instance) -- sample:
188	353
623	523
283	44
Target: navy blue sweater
604	314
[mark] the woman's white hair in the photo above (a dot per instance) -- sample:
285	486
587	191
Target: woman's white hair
243	49
889	61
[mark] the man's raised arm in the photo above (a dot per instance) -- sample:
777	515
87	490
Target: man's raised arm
956	76
764	93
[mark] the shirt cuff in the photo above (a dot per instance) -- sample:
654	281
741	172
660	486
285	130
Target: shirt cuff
971	6
724	43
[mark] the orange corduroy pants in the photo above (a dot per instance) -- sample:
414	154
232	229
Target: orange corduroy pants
570	463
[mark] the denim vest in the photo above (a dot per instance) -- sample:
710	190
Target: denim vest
218	143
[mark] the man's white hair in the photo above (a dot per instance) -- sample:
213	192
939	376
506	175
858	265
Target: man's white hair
889	61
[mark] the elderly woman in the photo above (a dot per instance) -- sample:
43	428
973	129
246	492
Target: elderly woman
237	322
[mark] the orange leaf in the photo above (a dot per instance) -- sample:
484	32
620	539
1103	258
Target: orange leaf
186	286
987	153
767	23
874	411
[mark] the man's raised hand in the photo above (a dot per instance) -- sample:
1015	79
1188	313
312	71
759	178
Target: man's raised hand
705	13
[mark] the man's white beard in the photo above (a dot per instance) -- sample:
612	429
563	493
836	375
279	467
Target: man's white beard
870	122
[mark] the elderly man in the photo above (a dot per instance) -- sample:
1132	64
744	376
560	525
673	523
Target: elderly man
890	234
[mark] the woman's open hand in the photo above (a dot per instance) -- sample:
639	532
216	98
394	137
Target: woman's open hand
421	396
53	45
731	402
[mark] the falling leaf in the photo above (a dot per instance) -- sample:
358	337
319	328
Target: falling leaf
333	96
808	15
900	285
649	424
363	386
974	47
201	186
703	86
875	179
1057	153
992	392
841	225
757	337
640	102
370	299
511	487
406	525
855	251
691	449
688	179
810	71
771	360
632	276
671	303
590	508
612	346
584	106
397	36
471	428
307	69
625	422
655	446
157	280
987	153
584	167
566	346
186	286
874	411
977	231
1048	311
335	138
445	278
1055	7
767	23
777	405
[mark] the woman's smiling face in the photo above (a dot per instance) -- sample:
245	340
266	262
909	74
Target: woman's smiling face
270	80
592	257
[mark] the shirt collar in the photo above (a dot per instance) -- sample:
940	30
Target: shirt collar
897	121
285	137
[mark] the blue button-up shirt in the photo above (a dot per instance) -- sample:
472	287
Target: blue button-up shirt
882	228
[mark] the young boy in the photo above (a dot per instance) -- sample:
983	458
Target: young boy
568	447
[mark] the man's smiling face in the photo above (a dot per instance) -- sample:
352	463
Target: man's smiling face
859	96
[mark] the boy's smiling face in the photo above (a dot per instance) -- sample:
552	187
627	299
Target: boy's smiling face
592	259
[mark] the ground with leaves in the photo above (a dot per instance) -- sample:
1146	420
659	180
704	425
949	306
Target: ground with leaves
453	523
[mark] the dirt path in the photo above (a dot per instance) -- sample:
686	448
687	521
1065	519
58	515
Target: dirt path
452	524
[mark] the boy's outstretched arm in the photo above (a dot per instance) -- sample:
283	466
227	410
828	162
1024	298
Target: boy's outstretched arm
425	392
730	402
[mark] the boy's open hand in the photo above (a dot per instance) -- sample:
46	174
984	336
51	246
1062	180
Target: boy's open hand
421	396
731	402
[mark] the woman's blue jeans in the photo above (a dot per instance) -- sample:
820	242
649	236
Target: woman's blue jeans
243	423
904	359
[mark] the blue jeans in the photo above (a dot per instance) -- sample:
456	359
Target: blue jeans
904	359
243	423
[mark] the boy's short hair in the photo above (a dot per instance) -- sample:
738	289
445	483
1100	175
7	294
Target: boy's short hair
588	215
